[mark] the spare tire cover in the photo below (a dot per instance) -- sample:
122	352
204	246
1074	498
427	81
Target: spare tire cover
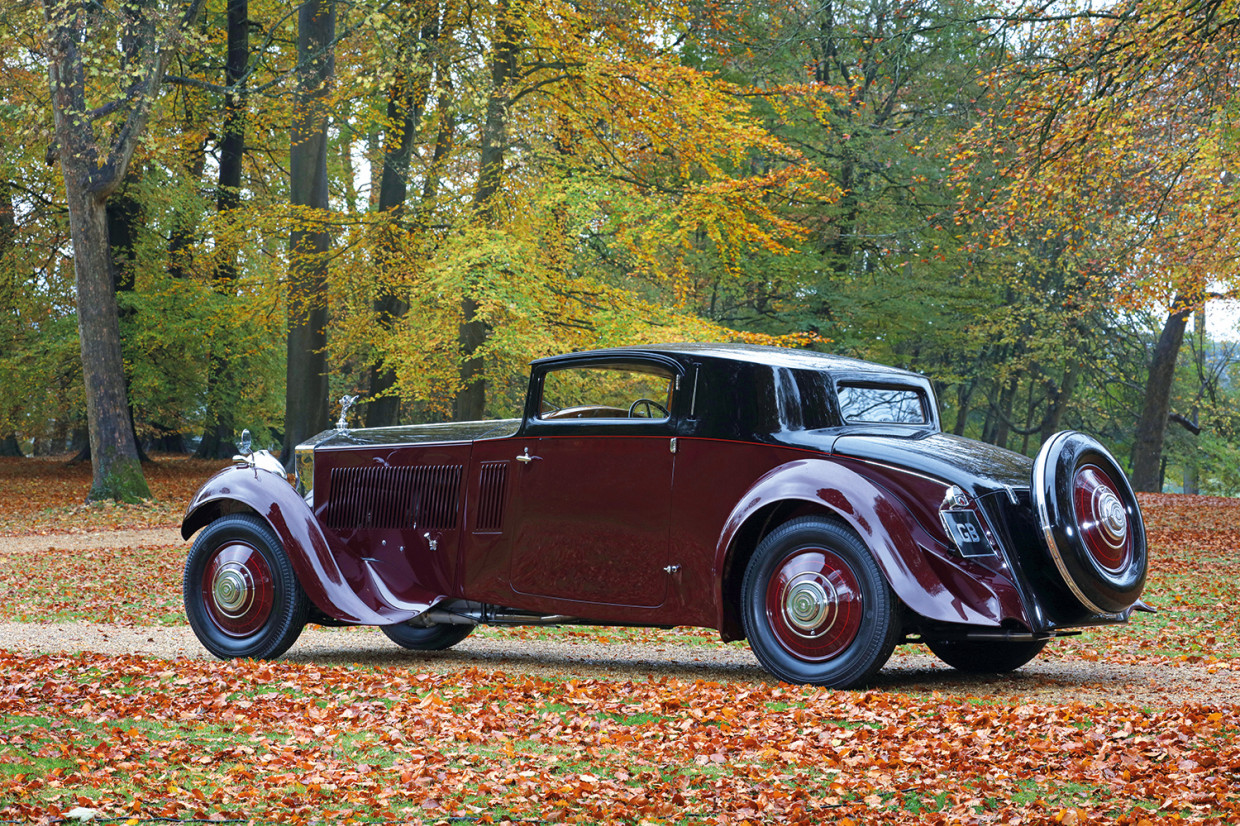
1091	522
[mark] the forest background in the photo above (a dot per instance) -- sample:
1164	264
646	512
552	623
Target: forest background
217	214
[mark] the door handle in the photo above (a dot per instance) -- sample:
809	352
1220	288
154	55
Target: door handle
525	458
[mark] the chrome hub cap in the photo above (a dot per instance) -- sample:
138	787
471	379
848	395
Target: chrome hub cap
1113	520
807	604
232	588
814	604
1102	519
238	589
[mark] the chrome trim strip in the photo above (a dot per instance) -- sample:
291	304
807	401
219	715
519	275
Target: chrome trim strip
697	368
1037	484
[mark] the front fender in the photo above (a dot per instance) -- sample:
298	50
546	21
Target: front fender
312	552
931	583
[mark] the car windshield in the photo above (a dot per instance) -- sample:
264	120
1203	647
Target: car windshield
619	391
862	404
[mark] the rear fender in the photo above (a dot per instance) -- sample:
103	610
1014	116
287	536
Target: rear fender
313	552
932	584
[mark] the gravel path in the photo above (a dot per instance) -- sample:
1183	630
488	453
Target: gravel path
911	670
1046	680
89	540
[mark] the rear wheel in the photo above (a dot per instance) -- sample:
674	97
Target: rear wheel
426	638
815	606
241	595
986	656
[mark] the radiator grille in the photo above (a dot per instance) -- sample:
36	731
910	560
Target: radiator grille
492	480
402	497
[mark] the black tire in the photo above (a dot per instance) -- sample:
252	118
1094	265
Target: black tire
1091	522
241	594
815	606
426	638
986	656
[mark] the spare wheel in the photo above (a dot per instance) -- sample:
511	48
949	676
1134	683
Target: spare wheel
1090	521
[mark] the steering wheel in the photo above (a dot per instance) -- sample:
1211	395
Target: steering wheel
650	406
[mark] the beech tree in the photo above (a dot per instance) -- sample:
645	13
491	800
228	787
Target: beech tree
217	436
421	82
1115	129
307	382
102	102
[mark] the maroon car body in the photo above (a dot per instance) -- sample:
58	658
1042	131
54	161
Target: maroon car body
806	502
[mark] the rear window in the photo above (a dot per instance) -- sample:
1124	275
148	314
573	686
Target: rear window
869	404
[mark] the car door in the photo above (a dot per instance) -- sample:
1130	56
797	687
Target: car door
593	487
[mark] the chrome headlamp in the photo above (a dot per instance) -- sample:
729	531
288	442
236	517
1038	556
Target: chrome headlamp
260	459
303	467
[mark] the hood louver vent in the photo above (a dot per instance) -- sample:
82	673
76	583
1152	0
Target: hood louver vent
493	477
400	497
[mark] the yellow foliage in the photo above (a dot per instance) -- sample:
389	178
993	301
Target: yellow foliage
1122	146
622	168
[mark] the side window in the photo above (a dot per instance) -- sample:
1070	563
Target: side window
861	404
607	392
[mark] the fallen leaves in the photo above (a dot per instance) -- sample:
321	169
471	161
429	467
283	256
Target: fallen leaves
48	495
289	742
141	737
129	585
1194	581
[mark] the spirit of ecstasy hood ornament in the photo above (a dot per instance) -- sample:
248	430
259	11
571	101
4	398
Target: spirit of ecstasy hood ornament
346	402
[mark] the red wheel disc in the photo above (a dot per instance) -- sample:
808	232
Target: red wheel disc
238	589
1102	519
814	604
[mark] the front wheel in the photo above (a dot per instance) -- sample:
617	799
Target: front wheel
426	638
242	597
815	606
986	656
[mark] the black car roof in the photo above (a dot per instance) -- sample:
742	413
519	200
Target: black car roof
753	353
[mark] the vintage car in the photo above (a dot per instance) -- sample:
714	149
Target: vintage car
808	503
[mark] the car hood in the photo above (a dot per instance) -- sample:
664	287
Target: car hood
416	433
976	466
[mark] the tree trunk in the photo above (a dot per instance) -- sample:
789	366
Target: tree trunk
8	218
305	411
217	435
1192	481
962	414
1192	457
76	441
92	171
1152	426
9	447
471	398
113	449
1057	401
1002	427
8	280
404	111
125	218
